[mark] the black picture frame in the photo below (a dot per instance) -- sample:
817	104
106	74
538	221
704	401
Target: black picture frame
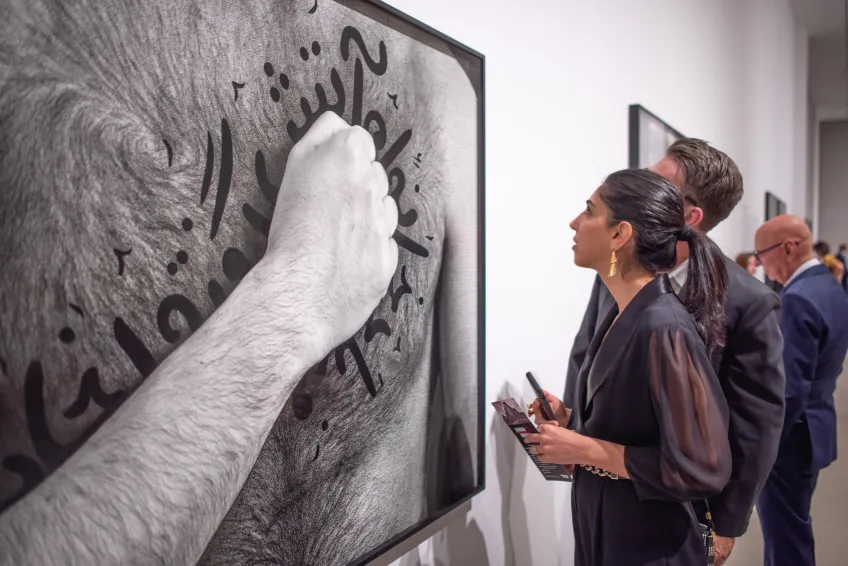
473	62
649	136
773	207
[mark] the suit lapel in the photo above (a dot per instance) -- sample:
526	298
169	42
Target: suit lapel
618	336
605	303
601	328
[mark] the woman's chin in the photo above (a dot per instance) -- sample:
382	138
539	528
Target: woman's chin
579	263
582	263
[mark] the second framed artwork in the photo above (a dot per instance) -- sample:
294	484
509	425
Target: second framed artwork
649	137
774	206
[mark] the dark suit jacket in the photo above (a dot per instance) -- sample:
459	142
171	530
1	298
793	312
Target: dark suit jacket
814	322
750	370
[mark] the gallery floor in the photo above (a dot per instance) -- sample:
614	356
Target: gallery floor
830	504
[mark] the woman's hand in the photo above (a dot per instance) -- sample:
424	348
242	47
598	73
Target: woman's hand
561	412
557	445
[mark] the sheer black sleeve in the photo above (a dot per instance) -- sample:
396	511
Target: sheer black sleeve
693	458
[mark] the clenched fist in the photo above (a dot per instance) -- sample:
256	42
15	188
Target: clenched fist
330	242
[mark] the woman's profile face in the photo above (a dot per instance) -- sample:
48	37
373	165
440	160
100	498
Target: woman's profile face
592	237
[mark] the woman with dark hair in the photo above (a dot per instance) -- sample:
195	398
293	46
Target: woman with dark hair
649	429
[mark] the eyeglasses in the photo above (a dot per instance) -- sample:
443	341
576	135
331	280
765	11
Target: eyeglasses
758	253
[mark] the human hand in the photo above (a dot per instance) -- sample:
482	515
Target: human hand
331	234
723	548
561	412
557	445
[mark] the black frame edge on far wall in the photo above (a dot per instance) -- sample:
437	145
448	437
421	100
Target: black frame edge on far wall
394	18
633	132
772	200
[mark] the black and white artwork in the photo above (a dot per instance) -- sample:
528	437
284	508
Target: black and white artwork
649	137
142	146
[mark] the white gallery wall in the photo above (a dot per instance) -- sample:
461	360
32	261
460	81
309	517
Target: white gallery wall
829	102
828	73
833	187
560	75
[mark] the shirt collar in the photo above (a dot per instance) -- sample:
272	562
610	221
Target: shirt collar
810	263
678	276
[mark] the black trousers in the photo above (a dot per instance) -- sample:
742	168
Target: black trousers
784	503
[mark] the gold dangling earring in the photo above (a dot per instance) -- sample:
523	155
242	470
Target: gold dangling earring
613	261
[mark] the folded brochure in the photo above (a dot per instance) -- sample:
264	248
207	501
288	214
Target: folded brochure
521	426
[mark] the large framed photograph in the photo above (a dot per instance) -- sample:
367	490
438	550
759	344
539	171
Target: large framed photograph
143	149
649	137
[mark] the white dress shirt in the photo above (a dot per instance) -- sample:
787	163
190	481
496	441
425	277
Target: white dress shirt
810	263
678	276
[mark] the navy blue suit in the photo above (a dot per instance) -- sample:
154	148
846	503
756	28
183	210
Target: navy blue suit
814	323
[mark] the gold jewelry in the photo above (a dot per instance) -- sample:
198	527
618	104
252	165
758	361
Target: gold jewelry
613	261
600	472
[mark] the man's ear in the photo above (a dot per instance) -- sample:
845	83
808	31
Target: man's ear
787	247
693	215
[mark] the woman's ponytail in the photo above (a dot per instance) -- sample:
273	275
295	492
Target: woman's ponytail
703	295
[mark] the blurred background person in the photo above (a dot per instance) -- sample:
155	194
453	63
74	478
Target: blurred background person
748	262
842	256
822	248
836	267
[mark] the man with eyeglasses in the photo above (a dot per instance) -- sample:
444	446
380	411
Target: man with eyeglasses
749	367
812	321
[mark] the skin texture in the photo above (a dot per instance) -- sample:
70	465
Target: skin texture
119	81
173	457
794	246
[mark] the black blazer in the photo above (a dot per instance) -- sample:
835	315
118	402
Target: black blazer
750	370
